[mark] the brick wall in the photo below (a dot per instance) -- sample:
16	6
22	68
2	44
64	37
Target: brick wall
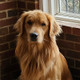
10	10
69	44
25	5
8	16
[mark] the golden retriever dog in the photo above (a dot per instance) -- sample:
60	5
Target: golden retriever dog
37	51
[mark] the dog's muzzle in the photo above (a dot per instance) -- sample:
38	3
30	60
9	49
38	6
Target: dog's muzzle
34	36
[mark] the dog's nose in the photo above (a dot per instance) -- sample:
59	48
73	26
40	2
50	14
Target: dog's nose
34	36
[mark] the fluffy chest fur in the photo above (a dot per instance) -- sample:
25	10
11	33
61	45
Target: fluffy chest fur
36	62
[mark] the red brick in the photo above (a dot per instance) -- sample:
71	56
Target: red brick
77	46
8	5
5	63
67	30
11	75
4	31
2	15
7	38
21	4
75	71
31	6
65	44
7	22
62	36
14	60
13	44
63	51
7	54
73	54
12	13
11	29
4	47
70	62
76	31
8	69
74	38
20	11
77	63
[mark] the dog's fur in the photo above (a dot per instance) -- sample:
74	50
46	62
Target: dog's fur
41	59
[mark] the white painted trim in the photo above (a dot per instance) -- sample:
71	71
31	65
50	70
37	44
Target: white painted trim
67	18
68	24
45	7
54	7
51	7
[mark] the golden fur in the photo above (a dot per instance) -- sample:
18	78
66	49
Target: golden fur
41	59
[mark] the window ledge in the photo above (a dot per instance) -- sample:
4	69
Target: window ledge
73	22
68	24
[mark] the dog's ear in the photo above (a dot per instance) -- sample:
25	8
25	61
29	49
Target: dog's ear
19	26
54	28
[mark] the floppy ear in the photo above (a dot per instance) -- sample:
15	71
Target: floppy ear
54	28
19	26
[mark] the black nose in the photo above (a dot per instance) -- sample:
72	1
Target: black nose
34	36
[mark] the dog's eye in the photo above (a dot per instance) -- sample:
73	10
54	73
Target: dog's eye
43	24
30	22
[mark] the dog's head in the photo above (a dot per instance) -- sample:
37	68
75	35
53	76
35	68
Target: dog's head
37	26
